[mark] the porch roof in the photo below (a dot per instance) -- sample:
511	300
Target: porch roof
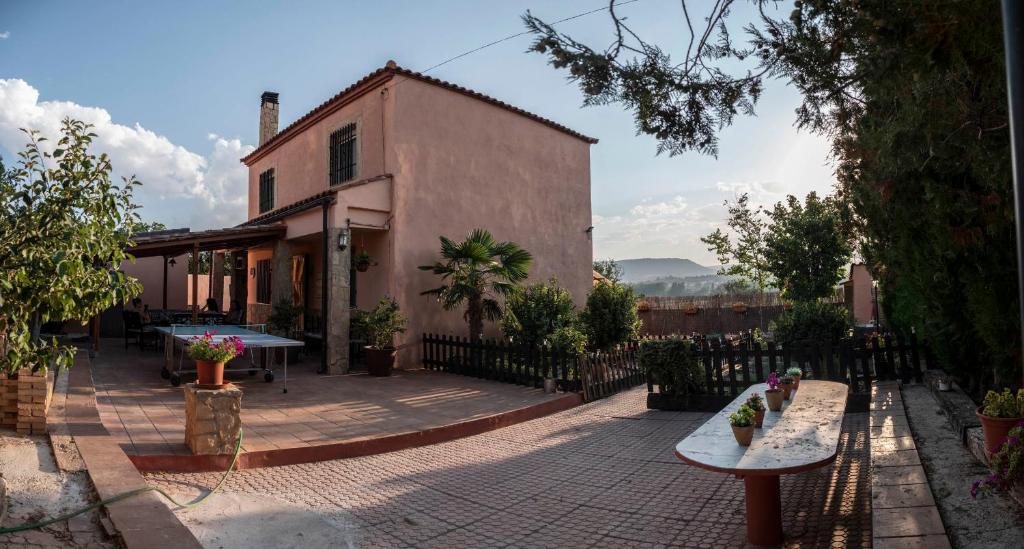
179	241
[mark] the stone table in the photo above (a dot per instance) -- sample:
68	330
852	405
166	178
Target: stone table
803	436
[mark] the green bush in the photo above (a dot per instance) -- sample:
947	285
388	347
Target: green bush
379	325
543	314
813	320
672	364
1004	404
611	316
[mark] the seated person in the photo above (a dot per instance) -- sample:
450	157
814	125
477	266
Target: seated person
146	317
211	305
235	313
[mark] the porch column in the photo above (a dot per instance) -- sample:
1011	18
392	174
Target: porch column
281	279
337	314
217	279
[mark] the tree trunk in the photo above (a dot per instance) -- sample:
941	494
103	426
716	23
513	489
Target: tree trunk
475	317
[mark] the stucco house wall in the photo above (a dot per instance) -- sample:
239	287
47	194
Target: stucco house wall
461	163
150	273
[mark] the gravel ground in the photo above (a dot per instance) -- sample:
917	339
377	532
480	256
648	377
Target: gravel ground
994	521
37	489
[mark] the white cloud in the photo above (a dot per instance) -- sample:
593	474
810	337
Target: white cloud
180	187
5	35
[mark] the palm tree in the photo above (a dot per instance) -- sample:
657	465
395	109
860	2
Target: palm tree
476	272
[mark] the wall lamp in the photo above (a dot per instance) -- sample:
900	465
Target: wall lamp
344	237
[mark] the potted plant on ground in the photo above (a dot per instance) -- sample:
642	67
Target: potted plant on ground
756	404
690	308
363	261
1007	464
210	358
283	321
999	413
739	307
742	421
796	373
787	386
773	394
378	327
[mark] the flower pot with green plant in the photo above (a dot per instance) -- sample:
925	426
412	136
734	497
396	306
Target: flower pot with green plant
742	421
1007	464
773	394
363	261
210	356
787	386
378	327
999	413
284	321
756	404
796	373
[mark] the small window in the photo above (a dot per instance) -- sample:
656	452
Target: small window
343	155
263	281
267	191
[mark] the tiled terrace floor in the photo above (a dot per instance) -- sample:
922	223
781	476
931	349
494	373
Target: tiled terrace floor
146	415
598	475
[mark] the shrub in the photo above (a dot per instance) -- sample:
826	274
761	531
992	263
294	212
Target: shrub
812	320
282	318
756	402
1004	404
1007	464
611	316
379	325
742	417
673	365
542	313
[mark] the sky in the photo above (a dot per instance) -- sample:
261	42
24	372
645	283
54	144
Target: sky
173	90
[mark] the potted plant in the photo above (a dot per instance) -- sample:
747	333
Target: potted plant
742	421
379	327
756	403
739	307
999	413
690	308
944	384
283	321
796	373
1007	464
363	261
773	394
210	358
787	386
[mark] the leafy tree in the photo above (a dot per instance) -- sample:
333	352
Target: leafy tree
611	315
744	255
144	227
912	95
542	313
476	272
812	320
609	268
807	247
737	288
64	227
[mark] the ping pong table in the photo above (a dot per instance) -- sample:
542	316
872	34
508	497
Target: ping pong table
255	338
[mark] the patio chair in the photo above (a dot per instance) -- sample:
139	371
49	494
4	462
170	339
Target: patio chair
132	328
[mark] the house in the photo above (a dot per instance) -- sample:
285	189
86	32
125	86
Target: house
385	168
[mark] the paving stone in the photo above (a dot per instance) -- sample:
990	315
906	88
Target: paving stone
907	474
910	521
916	542
901	495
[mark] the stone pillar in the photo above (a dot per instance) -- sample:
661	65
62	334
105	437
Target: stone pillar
212	419
217	279
337	314
281	279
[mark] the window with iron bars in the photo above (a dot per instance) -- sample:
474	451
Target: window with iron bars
263	275
267	191
343	154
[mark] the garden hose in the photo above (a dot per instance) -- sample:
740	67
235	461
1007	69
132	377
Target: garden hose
126	495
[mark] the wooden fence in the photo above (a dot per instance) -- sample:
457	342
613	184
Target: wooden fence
500	361
606	373
729	368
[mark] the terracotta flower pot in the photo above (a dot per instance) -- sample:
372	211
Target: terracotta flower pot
743	434
759	418
787	388
774	398
379	362
363	266
796	381
995	429
209	374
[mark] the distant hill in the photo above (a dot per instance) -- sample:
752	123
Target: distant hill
651	269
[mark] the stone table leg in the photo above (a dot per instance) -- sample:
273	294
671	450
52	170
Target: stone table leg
764	510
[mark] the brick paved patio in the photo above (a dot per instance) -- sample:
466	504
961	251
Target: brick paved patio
599	475
146	415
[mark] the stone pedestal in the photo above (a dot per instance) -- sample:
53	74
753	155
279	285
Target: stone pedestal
212	419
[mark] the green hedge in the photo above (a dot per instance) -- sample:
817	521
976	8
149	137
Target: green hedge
672	364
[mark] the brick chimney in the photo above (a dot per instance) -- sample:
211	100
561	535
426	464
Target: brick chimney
268	116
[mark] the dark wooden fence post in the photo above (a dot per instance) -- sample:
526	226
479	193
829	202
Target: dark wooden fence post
915	357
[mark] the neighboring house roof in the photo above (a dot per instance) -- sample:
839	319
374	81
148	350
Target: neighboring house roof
370	82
